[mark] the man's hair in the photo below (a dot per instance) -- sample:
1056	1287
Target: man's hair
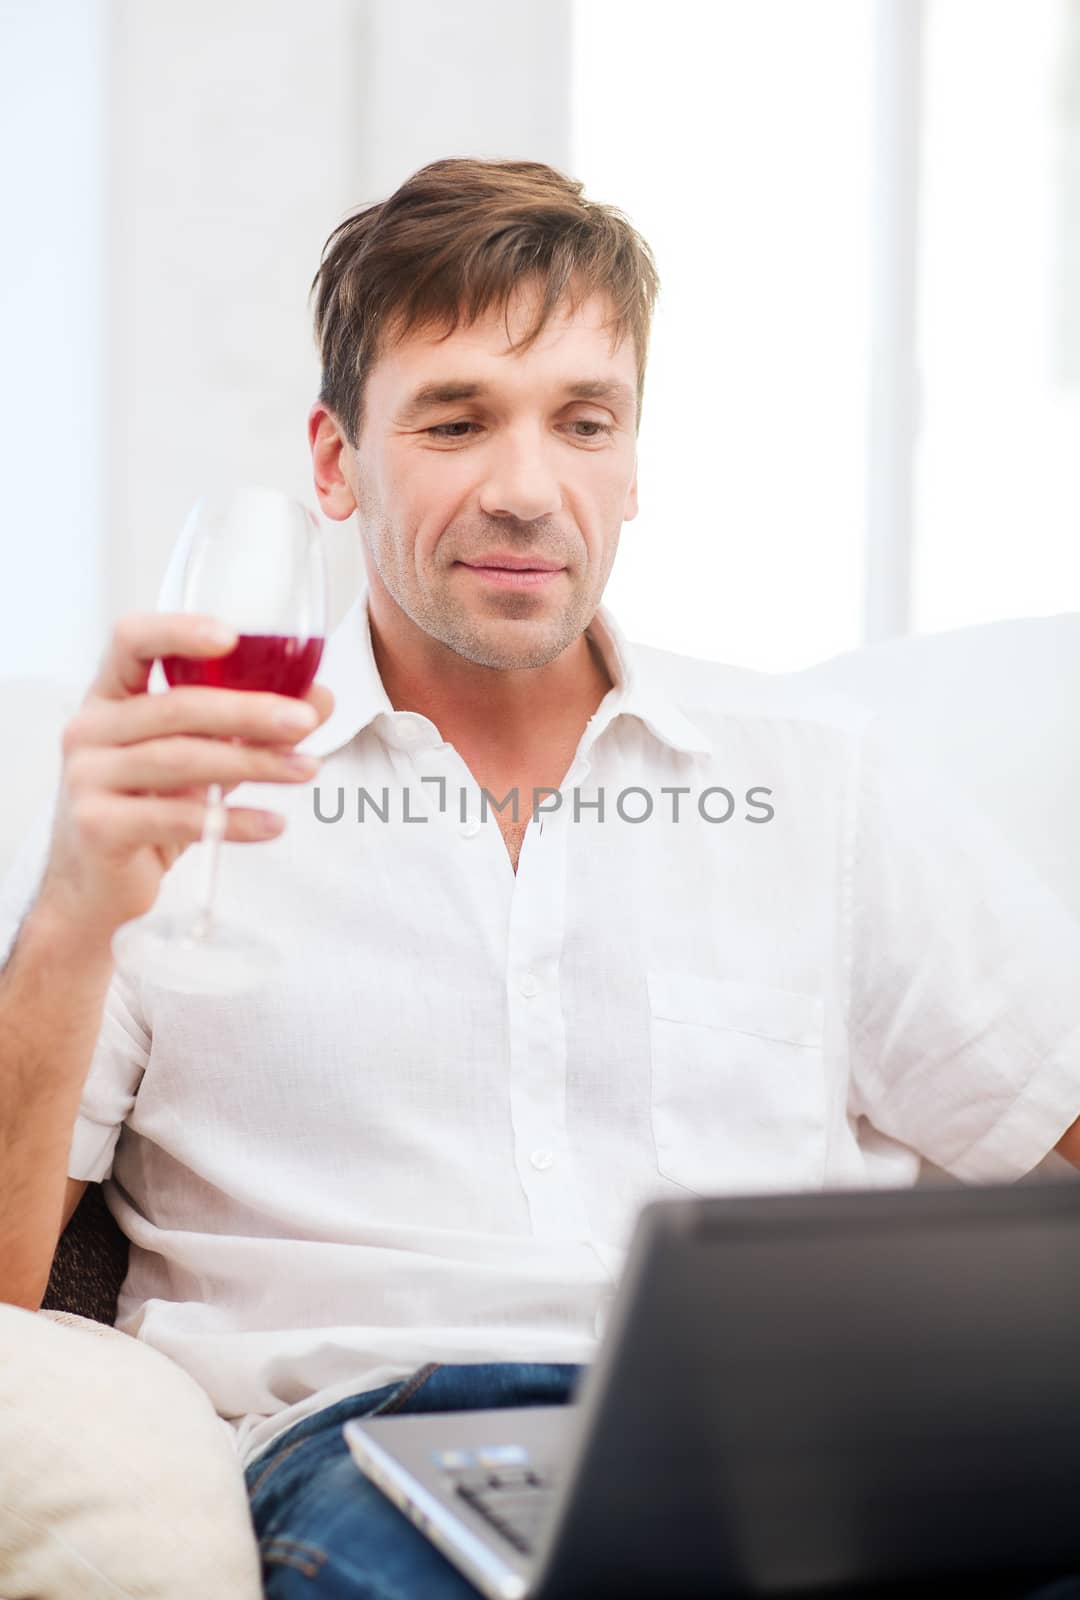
455	241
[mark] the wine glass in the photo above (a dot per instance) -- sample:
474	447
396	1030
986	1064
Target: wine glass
253	559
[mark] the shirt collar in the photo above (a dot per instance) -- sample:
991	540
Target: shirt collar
348	669
638	691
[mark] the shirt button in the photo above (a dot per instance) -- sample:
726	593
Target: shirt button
529	985
470	829
542	1159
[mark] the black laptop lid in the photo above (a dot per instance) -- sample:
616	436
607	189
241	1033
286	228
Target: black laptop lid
830	1390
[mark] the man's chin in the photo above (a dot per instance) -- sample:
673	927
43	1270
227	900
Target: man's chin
509	643
519	657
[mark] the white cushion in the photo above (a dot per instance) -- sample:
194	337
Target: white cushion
994	709
118	1481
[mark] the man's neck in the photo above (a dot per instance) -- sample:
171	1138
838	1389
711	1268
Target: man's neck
515	717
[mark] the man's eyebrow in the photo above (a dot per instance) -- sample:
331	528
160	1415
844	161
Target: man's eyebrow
619	394
451	390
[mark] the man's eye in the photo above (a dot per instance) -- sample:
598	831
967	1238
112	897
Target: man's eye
442	430
450	430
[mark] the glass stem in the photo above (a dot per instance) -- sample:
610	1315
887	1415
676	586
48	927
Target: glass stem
213	834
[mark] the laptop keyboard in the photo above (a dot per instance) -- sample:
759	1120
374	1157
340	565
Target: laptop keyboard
508	1490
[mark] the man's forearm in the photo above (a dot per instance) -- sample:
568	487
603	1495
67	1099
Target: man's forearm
52	997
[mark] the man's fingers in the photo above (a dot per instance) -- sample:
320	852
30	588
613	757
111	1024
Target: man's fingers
141	637
167	765
211	713
122	823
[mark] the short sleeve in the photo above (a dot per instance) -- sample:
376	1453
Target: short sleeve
123	1044
964	1014
108	1097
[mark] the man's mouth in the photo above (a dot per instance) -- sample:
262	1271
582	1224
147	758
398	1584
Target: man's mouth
514	572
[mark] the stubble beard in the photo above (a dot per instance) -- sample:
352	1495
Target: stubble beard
510	633
506	632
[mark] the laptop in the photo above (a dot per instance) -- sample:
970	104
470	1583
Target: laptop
826	1393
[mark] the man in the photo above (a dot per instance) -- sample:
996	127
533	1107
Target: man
571	925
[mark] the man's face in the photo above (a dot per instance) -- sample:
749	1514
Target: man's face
472	455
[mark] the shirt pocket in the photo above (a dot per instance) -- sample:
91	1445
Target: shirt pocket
738	1096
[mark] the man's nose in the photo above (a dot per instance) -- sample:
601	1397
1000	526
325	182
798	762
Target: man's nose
521	482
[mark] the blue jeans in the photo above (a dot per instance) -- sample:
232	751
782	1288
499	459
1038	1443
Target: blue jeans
326	1533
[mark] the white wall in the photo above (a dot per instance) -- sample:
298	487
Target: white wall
54	65
237	148
465	78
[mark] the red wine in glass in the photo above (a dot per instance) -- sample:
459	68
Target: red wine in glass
253	560
272	662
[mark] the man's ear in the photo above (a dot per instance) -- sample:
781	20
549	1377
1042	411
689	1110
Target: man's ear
327	440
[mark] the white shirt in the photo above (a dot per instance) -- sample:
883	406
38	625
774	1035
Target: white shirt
428	1139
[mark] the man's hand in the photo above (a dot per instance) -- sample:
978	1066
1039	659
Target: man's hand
136	768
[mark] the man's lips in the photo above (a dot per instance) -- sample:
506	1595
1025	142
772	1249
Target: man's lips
516	572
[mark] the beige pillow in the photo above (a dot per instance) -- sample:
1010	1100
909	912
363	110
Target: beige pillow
118	1481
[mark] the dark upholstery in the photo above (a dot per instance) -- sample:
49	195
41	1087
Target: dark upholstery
90	1262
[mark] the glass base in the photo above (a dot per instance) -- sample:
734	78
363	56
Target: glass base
175	953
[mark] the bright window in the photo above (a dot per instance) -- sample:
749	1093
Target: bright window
736	136
998	524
